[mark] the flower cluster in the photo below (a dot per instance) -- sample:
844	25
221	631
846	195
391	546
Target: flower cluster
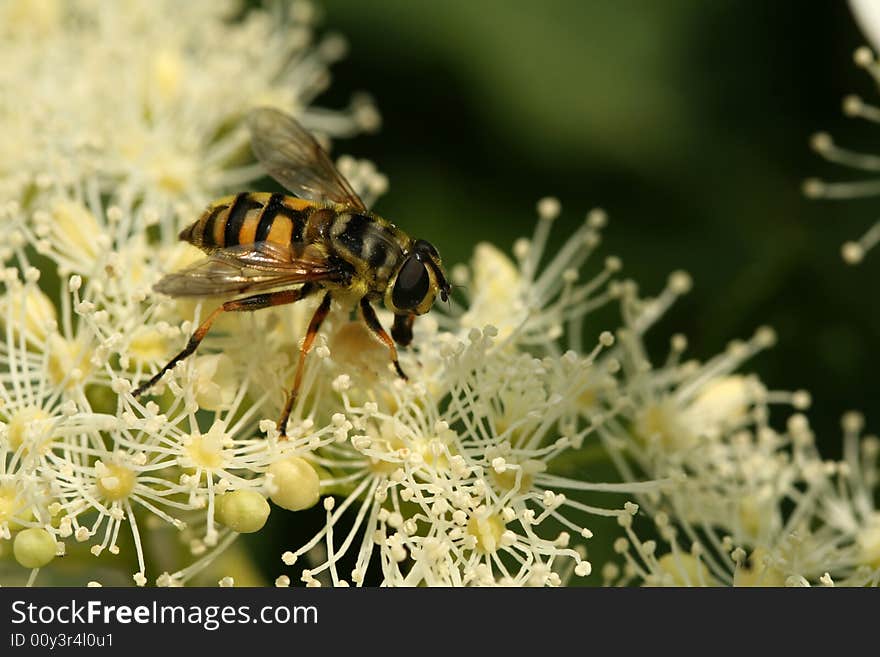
817	527
749	504
854	251
866	164
150	96
94	193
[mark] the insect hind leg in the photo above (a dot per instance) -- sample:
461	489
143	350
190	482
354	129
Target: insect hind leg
314	326
247	304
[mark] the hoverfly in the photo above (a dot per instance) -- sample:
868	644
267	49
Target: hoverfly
276	249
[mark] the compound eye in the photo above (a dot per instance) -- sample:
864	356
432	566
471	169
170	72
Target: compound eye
411	286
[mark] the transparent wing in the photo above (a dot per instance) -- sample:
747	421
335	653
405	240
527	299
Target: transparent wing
249	267
293	158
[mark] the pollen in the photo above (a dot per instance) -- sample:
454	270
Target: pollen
148	345
661	422
13	508
506	479
38	310
69	361
354	345
868	542
757	571
167	73
23	427
487	528
76	228
207	450
685	569
114	481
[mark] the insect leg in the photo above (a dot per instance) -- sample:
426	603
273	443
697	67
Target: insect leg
401	330
314	326
376	327
247	304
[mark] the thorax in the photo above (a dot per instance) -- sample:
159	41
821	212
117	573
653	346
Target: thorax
372	245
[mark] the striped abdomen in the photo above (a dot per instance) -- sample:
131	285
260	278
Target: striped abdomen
250	217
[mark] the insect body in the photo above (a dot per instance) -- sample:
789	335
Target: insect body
272	249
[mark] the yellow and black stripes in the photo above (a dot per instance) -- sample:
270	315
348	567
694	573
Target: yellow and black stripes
275	208
243	205
250	217
195	232
364	244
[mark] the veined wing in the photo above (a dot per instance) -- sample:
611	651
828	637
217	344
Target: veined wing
249	267
293	158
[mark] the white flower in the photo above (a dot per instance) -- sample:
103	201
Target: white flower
865	164
867	14
744	509
740	492
850	508
458	489
534	305
149	96
688	554
39	342
134	123
107	310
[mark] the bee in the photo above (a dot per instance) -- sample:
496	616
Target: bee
268	249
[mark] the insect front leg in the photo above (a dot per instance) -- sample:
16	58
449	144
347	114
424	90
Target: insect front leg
314	326
376	327
247	304
401	330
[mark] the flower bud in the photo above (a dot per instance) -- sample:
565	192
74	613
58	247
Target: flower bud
243	511
296	484
34	547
